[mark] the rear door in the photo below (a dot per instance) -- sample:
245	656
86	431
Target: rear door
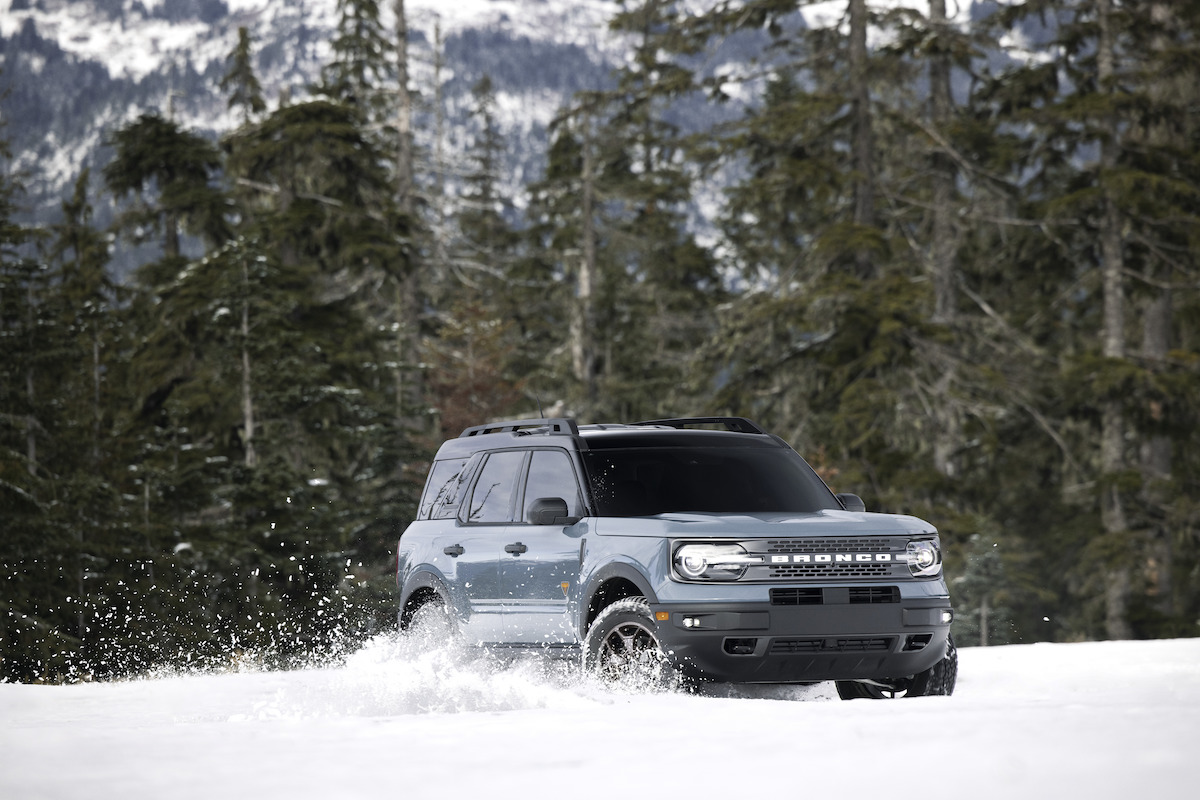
479	539
540	562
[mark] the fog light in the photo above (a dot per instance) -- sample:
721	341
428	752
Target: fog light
947	617
691	622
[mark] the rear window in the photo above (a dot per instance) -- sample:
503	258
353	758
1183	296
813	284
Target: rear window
441	490
642	481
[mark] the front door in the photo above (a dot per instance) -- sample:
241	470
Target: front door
539	563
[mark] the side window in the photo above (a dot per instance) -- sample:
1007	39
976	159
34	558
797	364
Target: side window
492	497
442	489
551	475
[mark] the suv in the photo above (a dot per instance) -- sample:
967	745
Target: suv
699	547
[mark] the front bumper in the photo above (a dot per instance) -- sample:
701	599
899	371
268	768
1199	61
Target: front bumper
769	643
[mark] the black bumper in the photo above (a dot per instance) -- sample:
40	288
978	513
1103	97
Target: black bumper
764	643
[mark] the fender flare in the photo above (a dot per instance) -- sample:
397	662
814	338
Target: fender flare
423	579
614	569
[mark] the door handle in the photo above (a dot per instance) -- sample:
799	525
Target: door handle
454	550
516	548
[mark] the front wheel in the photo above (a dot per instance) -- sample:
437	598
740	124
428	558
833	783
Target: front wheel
622	648
937	680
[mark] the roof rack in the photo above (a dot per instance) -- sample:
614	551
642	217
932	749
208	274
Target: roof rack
524	426
735	424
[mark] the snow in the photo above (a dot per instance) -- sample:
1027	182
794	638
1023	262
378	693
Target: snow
138	44
1095	720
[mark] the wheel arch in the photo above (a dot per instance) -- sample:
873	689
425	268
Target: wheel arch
418	590
609	584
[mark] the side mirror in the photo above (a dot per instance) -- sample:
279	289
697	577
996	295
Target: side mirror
549	511
851	502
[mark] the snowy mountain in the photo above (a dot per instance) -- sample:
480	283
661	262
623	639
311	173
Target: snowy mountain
79	69
1104	721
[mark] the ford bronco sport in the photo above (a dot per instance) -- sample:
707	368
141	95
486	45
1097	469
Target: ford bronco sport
704	547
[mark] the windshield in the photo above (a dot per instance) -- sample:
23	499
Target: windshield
642	481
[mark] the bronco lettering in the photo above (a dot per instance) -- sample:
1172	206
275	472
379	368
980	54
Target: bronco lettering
830	558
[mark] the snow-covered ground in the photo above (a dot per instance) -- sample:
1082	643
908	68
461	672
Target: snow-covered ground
1103	720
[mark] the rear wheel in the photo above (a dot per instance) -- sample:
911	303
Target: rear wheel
937	680
430	624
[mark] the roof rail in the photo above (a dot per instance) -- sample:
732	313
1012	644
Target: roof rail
523	426
736	424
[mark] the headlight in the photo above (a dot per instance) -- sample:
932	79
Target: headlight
924	557
713	562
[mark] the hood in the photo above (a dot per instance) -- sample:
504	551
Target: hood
773	526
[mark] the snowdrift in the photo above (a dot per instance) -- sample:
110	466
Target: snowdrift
1097	720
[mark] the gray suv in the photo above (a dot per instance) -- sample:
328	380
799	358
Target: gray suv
703	547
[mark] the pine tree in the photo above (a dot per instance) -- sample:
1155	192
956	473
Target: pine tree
85	299
564	229
170	174
323	246
240	82
1111	192
488	242
646	189
360	67
28	341
484	303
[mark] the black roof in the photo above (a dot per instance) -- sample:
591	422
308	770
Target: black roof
678	432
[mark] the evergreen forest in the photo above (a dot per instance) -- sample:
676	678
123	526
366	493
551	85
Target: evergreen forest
955	265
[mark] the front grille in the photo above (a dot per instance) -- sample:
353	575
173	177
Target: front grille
815	596
785	571
796	596
861	644
825	552
870	595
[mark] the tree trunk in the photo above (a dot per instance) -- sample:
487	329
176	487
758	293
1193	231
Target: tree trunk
97	411
1156	454
404	106
170	235
441	235
1112	433
409	408
583	345
1157	451
31	455
941	112
31	463
944	242
247	393
984	621
863	143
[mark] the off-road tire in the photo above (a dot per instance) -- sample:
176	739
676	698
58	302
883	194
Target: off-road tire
431	623
622	648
